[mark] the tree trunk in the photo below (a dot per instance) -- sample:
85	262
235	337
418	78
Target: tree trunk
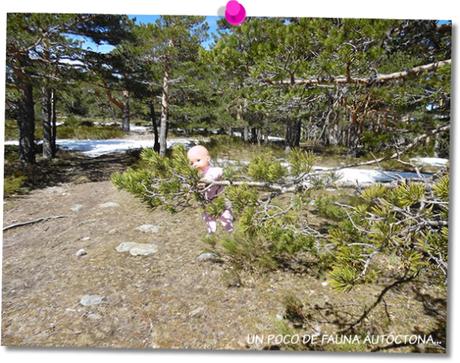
353	134
164	113
156	144
53	122
266	129
26	124
46	121
125	120
293	133
436	146
246	133
254	135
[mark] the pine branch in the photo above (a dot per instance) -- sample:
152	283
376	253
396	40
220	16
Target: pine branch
299	183
379	79
377	301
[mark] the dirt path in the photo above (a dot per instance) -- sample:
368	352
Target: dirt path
165	300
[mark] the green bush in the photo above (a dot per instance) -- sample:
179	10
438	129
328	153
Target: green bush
13	184
265	168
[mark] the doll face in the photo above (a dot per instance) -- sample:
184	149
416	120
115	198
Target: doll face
199	158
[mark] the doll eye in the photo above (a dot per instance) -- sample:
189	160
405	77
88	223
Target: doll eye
199	160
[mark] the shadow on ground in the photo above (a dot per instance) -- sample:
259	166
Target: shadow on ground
67	167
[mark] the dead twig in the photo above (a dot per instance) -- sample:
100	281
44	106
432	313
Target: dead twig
42	219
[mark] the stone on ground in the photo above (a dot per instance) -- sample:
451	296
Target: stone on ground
148	228
208	257
88	300
81	252
76	208
137	249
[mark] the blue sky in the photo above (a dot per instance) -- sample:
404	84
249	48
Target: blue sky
145	19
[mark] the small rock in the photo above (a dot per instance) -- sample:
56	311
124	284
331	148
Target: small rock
197	312
208	256
125	246
113	231
93	316
88	300
81	252
148	228
144	249
109	205
325	283
76	208
279	316
137	249
85	238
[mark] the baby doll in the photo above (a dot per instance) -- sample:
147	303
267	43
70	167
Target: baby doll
199	158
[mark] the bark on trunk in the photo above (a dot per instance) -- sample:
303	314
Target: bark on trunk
293	133
53	122
156	144
246	133
125	120
47	123
164	113
26	124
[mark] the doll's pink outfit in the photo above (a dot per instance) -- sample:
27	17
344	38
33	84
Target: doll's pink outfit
211	174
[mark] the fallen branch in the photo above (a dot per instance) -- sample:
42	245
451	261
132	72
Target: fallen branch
42	219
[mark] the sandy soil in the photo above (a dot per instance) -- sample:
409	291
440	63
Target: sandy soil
165	300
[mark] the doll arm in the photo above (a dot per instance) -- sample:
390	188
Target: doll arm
212	174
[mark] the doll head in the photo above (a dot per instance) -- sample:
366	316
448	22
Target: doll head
199	158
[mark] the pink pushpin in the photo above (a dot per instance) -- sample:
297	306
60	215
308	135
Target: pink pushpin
235	12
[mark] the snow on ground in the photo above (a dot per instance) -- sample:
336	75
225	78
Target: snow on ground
440	162
366	177
345	176
140	129
95	148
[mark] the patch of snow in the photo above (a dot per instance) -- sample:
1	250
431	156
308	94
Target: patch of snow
108	123
366	177
140	129
439	162
275	138
95	148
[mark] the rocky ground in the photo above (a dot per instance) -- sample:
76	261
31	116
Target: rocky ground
164	299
